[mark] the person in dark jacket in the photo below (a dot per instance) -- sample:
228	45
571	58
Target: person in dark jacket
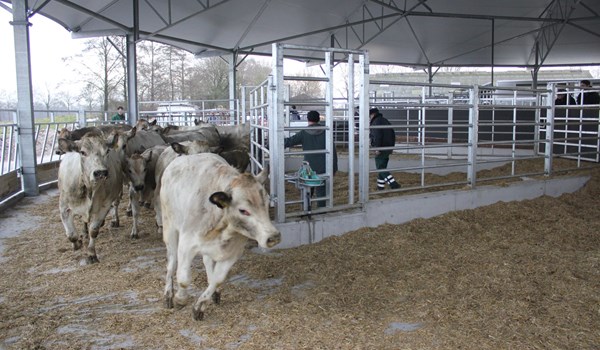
385	137
589	97
563	98
313	140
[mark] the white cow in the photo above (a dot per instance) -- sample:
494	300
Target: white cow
209	208
90	179
167	156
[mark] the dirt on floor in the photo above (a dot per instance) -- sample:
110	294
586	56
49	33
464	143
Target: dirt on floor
519	275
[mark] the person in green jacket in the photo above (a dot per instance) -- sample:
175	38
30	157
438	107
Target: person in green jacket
120	114
313	140
385	137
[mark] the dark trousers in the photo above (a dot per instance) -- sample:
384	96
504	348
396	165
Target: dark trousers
381	162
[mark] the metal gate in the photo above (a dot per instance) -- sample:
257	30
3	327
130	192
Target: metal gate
269	117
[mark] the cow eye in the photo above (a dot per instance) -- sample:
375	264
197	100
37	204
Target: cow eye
244	212
83	153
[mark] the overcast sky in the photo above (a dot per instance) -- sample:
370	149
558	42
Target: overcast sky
49	43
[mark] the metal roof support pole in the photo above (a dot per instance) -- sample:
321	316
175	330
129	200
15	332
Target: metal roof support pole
329	144
132	96
549	145
492	49
363	132
473	136
25	122
351	123
276	133
232	87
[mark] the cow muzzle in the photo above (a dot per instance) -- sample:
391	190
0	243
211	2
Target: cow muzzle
274	240
100	174
138	188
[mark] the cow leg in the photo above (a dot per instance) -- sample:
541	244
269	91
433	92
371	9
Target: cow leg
66	216
215	279
129	210
114	222
158	211
96	221
135	209
185	256
93	233
209	266
171	241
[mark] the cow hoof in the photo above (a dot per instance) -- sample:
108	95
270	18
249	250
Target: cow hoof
134	236
169	302
77	244
129	213
114	224
216	297
92	259
179	304
198	315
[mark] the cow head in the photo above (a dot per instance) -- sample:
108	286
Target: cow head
246	208
136	168
94	151
192	147
121	138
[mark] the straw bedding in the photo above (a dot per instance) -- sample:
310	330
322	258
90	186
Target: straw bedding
522	275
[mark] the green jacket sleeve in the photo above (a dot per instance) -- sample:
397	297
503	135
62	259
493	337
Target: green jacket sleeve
296	139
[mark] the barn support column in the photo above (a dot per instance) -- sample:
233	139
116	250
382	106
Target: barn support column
132	100
276	128
132	96
232	87
25	118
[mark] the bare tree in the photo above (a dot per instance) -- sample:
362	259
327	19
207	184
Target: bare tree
306	89
210	78
100	69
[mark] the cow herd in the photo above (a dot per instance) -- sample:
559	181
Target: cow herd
193	177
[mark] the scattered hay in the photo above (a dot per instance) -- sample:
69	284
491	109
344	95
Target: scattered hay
510	275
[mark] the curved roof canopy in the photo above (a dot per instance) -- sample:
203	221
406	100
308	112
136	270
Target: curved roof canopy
407	32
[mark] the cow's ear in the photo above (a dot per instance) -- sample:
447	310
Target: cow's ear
153	122
263	175
131	133
166	129
147	156
112	139
67	146
179	148
220	199
196	121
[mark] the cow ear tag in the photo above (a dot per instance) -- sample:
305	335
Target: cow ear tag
220	199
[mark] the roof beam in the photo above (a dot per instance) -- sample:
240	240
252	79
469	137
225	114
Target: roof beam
92	14
204	9
558	14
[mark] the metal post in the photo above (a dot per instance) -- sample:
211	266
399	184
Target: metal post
350	129
232	86
132	100
473	136
242	106
363	132
25	124
549	145
329	144
450	124
276	132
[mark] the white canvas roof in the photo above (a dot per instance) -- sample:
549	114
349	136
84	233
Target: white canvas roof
406	32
